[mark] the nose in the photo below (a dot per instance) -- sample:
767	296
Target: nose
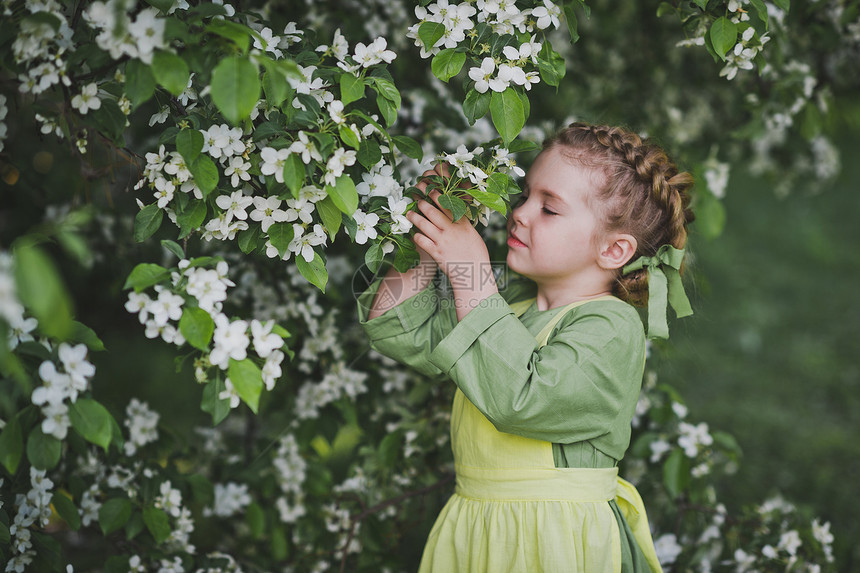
518	214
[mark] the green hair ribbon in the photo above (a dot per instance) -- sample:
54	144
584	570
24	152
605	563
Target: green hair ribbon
664	288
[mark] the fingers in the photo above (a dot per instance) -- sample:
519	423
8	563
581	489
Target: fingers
434	212
439	169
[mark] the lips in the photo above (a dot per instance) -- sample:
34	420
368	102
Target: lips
514	241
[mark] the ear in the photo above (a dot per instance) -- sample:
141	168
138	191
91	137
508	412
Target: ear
617	251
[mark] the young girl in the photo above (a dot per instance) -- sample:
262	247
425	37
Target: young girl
549	374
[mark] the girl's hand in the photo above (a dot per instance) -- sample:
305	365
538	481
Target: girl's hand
457	247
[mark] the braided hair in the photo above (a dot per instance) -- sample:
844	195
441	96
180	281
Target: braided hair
642	193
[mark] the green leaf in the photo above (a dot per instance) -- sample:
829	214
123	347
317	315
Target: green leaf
497	186
189	143
430	33
313	271
163	5
389	449
784	5
205	173
280	235
110	120
369	153
139	82
294	173
113	514
676	473
44	18
727	442
409	147
346	440
157	523
343	194
476	105
551	65
170	71
447	64
256	519
508	114
147	222
133	527
235	88
572	22
405	258
387	109
761	10
279	545
454	204
710	215
351	88
201	489
197	326
43	451
212	404
236	33
86	335
247	380
41	289
92	421
666	8
11	445
330	215
66	509
724	35
145	275
387	89
701	3
348	136
191	218
373	257
249	239
173	247
275	84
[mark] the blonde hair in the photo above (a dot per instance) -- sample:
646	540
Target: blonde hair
642	193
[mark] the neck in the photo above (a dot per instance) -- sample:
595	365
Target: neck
553	294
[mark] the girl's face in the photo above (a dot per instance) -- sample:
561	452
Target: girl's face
552	229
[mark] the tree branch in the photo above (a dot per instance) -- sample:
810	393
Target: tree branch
446	479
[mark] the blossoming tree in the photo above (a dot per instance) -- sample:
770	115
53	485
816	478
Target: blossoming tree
230	170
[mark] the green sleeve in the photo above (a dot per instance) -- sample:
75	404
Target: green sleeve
582	385
409	331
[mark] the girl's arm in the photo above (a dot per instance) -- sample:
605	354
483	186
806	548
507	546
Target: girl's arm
397	287
457	248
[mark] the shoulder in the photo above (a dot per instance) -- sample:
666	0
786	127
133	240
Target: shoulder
604	323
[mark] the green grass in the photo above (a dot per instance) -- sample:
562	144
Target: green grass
771	355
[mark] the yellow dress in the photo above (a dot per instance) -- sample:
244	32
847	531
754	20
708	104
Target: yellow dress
514	511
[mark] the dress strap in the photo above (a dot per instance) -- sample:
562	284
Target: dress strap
520	307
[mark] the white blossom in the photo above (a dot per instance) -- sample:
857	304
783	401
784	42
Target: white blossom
365	226
267	211
88	99
231	341
234	205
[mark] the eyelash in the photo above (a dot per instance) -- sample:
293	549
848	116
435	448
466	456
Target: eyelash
522	200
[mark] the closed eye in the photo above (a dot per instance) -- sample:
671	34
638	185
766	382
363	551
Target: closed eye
548	212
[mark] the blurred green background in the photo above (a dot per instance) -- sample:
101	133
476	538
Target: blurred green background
771	355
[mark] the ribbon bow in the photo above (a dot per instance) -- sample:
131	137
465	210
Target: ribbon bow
664	287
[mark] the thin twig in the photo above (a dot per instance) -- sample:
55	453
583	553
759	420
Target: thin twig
448	478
